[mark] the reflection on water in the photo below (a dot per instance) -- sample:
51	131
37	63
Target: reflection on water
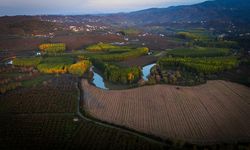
146	71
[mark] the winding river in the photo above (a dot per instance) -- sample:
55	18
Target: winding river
146	71
98	80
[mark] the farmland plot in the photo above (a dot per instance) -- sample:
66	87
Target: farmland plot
58	95
218	111
44	117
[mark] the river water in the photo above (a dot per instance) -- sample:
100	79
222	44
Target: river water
146	71
98	80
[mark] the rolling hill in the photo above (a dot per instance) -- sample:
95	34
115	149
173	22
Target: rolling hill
218	10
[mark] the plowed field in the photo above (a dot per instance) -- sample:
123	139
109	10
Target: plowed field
218	111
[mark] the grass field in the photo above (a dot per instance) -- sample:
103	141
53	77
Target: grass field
212	113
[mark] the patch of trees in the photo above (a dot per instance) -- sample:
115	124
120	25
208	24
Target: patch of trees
216	43
134	53
26	62
175	76
80	67
100	47
52	48
199	52
55	64
117	74
187	35
201	65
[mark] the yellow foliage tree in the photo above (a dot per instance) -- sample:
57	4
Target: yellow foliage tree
131	76
80	67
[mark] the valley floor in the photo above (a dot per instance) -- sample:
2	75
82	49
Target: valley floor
215	112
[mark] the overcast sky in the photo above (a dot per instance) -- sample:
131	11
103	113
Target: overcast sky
36	7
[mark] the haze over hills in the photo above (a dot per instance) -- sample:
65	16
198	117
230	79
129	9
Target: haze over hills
218	10
221	15
155	79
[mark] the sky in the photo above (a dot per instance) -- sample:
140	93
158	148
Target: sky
67	7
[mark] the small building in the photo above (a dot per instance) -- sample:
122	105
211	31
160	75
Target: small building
38	54
150	53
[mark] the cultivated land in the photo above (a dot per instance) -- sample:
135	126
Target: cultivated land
211	113
41	117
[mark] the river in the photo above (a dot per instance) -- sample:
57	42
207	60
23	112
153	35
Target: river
146	71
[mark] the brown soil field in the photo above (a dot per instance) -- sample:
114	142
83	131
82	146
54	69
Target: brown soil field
215	112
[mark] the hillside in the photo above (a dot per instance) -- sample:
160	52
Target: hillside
226	10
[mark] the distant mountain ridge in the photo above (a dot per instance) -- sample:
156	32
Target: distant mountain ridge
217	10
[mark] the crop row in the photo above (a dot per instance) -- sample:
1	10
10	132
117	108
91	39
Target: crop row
187	114
54	96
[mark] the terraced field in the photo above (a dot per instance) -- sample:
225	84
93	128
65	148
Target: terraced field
218	111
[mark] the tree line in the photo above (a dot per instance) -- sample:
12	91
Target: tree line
201	65
52	48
